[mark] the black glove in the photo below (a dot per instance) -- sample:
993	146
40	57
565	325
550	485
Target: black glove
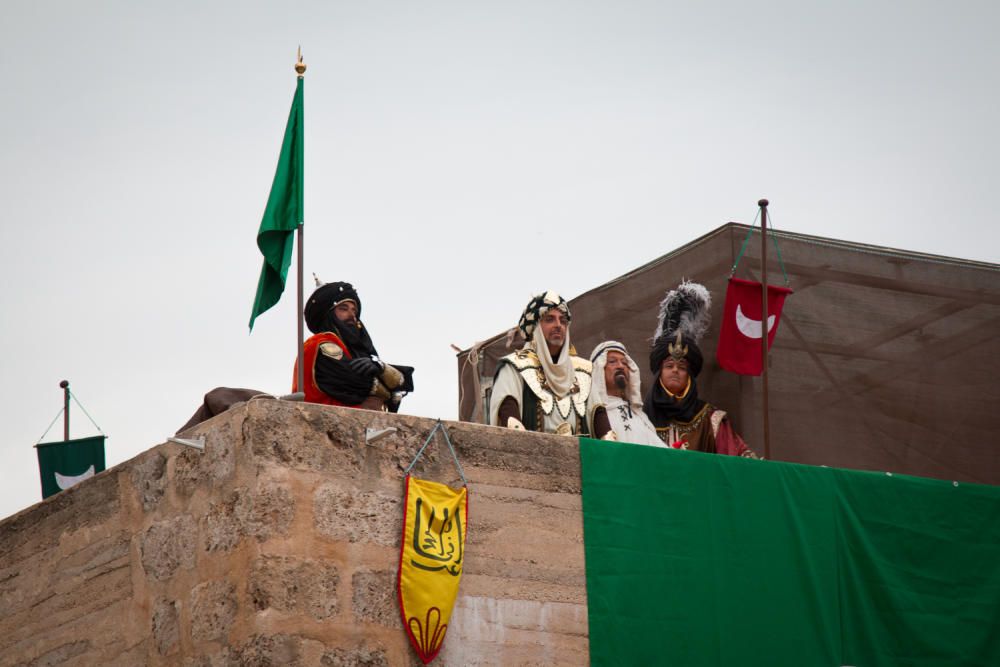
365	367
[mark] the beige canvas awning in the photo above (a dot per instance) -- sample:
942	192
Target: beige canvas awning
884	360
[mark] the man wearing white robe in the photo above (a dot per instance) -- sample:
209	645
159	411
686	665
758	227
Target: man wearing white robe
544	386
616	388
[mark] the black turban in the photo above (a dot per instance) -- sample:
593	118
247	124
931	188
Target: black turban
320	317
323	301
659	352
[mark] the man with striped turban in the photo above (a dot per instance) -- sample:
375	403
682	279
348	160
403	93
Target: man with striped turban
544	386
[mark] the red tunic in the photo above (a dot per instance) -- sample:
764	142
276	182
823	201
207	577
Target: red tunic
313	393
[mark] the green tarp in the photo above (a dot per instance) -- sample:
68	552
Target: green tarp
698	559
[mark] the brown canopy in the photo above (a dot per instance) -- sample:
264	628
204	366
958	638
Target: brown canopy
884	359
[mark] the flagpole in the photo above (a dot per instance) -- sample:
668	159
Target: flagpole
300	69
763	321
65	387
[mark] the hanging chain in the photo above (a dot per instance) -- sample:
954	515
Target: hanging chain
439	426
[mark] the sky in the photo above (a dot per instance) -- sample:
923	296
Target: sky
459	157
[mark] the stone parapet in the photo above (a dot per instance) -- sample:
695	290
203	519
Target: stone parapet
279	543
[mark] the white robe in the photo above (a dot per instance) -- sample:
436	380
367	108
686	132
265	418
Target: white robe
509	383
631	425
626	417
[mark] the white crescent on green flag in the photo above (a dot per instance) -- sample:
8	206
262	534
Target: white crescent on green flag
65	463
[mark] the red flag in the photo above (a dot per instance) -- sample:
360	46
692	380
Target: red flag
739	339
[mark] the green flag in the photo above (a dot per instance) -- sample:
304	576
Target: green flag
64	463
283	214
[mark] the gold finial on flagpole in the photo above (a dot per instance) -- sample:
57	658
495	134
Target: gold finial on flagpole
300	66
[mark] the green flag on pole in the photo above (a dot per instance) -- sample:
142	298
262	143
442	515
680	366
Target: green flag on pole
284	212
66	462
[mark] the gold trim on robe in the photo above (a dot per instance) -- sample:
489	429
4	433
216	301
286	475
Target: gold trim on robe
530	369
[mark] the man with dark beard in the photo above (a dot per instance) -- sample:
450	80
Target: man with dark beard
681	418
341	364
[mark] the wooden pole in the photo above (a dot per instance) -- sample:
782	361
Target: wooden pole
65	387
300	70
763	321
301	307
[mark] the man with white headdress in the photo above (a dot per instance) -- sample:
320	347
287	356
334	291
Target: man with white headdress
616	387
544	386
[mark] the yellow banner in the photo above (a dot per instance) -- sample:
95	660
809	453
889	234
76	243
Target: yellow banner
430	561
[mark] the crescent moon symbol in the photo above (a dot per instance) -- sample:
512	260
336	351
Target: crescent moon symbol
66	481
749	327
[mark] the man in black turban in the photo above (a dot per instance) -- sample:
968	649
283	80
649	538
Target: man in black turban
681	418
341	364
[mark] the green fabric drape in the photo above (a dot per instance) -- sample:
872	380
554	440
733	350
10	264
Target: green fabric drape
699	559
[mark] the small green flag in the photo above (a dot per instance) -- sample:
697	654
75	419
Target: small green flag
283	214
64	463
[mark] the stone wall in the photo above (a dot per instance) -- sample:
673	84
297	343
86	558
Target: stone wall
278	545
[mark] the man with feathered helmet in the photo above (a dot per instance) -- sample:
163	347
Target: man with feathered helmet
341	364
544	386
681	418
616	388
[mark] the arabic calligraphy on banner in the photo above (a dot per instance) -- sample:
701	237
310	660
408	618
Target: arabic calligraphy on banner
431	560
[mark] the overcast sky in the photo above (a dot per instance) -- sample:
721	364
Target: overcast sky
459	157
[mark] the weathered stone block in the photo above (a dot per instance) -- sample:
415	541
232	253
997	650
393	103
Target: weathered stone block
216	463
267	510
339	451
267	651
96	574
362	656
293	585
333	440
188	473
270	512
166	632
213	609
123	655
345	514
219	456
60	654
98	557
374	598
39	527
168	546
304	450
149	478
221	523
217	659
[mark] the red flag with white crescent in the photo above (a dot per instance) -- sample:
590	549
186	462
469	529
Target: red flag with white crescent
742	325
